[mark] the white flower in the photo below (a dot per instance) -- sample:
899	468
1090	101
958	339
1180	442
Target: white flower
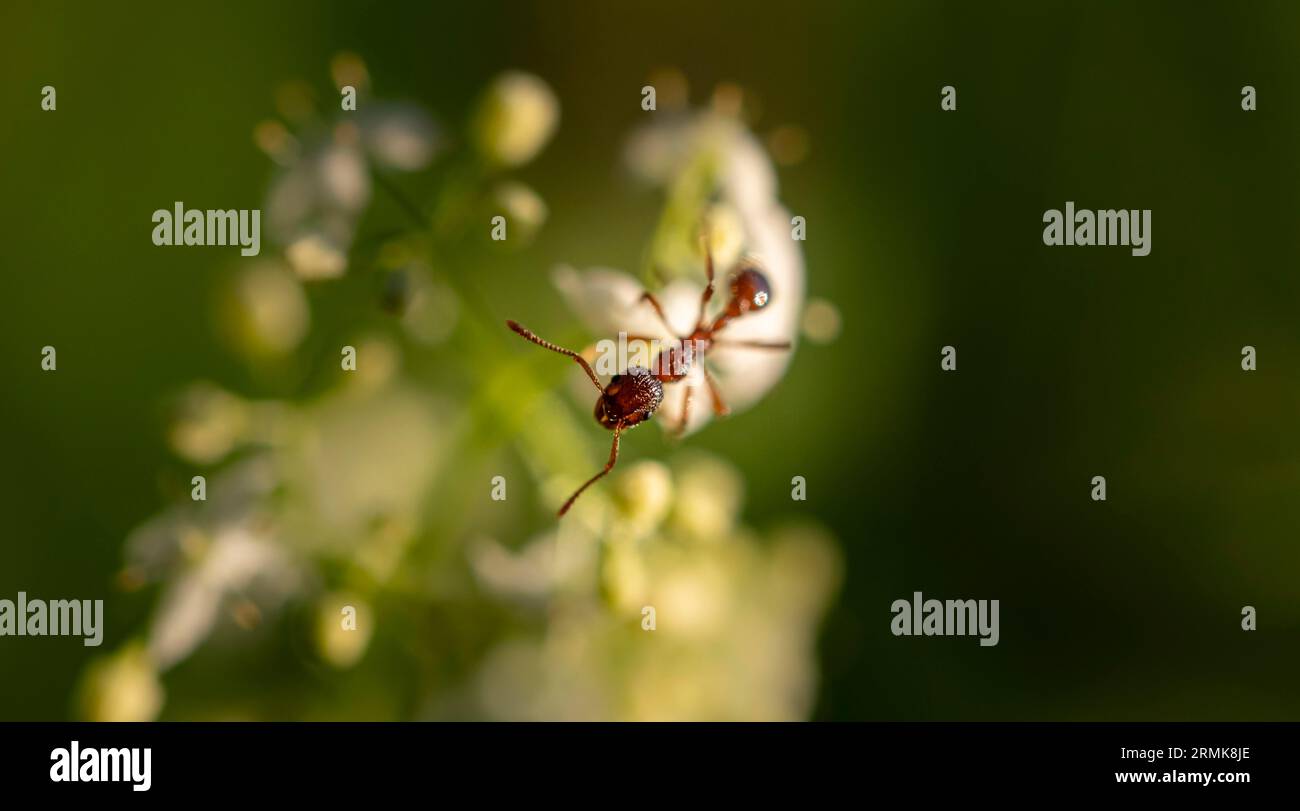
316	256
661	152
739	204
398	135
238	560
523	207
531	573
320	196
208	554
315	202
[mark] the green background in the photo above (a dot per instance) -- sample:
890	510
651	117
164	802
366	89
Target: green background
924	227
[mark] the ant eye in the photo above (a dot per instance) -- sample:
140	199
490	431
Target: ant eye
750	290
607	413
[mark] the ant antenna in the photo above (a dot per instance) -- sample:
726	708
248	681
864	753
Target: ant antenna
708	273
613	457
524	332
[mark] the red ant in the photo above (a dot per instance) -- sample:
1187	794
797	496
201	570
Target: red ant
631	398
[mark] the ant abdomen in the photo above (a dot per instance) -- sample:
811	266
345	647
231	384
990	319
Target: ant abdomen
629	399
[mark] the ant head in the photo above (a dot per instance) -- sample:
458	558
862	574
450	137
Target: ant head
630	398
749	290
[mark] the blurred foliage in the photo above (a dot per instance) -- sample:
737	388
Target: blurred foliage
370	488
352	502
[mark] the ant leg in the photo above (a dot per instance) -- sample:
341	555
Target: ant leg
707	295
525	333
659	310
719	407
752	344
680	428
613	457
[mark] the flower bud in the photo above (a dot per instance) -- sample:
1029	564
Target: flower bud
516	118
122	687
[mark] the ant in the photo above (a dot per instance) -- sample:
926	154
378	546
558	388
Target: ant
633	397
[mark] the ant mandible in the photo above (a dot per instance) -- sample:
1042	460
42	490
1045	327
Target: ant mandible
633	397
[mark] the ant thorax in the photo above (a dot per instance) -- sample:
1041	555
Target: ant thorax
675	362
